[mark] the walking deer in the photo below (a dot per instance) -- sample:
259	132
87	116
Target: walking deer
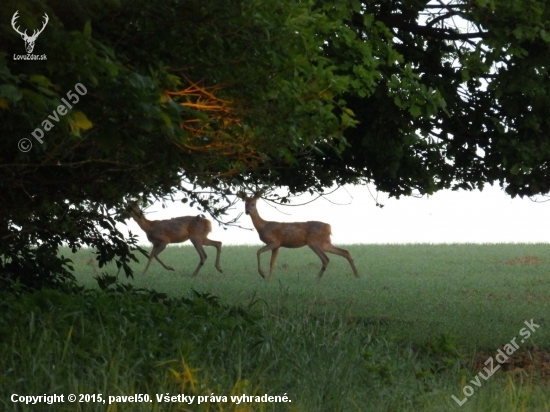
275	235
179	229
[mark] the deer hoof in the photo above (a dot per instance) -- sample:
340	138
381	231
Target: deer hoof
171	268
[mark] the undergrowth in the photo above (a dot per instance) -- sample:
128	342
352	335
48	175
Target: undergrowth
122	341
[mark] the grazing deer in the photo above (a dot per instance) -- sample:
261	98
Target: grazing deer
179	229
316	235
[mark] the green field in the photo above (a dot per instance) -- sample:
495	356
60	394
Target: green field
410	333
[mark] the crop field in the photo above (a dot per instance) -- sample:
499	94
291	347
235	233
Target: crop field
425	328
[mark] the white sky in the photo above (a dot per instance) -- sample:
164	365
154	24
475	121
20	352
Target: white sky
490	216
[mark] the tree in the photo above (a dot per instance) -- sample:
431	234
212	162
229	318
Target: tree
460	98
412	96
137	99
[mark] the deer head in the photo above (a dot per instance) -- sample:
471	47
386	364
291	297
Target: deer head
133	209
29	40
250	202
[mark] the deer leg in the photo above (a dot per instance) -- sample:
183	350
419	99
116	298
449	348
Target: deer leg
259	252
198	245
157	248
218	246
274	254
328	247
324	259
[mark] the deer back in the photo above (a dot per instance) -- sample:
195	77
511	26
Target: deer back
179	229
294	235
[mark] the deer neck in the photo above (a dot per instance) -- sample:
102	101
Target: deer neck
257	221
143	223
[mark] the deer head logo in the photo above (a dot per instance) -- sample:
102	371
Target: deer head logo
29	40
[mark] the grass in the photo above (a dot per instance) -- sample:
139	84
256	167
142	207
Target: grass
478	293
410	333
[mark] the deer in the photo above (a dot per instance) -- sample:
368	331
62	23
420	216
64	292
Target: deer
29	40
275	235
176	230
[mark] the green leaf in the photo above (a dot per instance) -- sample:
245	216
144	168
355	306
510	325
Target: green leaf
415	110
10	92
40	80
348	111
81	121
166	119
87	30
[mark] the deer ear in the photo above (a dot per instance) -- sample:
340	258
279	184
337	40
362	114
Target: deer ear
133	205
241	195
259	193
